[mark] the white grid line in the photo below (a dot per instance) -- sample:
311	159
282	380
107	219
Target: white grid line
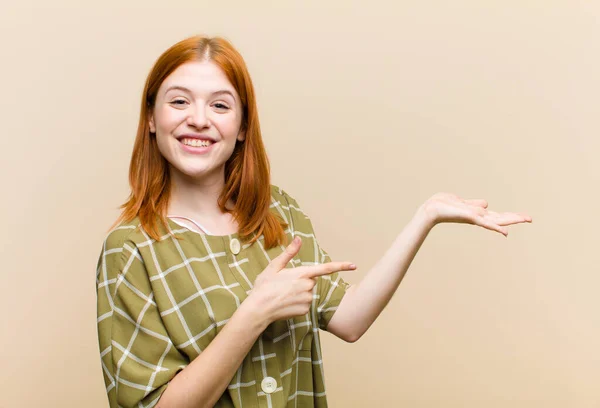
196	295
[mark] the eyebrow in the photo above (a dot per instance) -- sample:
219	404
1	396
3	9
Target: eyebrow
183	88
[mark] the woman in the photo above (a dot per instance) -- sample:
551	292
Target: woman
211	285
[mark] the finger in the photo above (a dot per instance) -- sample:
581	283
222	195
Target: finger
479	202
485	223
278	263
329	268
526	217
308	284
509	218
478	210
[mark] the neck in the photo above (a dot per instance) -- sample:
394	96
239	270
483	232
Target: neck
196	199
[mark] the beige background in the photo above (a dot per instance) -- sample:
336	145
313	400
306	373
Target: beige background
389	103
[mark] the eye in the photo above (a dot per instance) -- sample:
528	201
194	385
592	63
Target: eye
219	105
178	102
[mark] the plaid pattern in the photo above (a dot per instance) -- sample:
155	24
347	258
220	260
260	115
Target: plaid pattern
161	303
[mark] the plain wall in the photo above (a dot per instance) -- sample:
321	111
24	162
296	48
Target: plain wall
367	109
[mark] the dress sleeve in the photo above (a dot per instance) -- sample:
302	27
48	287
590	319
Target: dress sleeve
138	357
330	288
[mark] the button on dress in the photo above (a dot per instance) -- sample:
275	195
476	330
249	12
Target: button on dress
160	304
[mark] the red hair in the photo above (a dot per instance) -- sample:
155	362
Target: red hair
247	171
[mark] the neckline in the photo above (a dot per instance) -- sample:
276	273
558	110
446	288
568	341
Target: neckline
175	225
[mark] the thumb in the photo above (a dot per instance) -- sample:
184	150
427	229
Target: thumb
290	252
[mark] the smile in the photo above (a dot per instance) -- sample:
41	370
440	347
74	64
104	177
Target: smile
196	142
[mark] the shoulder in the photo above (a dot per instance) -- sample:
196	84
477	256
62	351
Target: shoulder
117	237
277	193
288	203
283	197
119	245
284	200
120	242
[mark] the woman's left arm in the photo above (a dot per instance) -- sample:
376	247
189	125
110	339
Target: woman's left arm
363	302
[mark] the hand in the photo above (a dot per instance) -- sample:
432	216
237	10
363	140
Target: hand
281	293
445	207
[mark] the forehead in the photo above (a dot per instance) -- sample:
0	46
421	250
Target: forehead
198	77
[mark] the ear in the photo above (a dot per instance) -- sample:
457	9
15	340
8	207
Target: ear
241	136
151	124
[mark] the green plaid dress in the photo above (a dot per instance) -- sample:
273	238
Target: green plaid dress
161	303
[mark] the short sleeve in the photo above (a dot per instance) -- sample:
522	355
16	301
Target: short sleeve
138	357
330	288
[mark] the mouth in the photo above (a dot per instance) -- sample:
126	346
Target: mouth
195	142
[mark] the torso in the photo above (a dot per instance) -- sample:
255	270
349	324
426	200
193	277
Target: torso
166	301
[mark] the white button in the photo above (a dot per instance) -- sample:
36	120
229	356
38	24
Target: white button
234	245
268	385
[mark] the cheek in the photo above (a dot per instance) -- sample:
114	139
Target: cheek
166	119
163	146
229	126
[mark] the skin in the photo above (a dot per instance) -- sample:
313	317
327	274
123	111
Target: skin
209	105
364	301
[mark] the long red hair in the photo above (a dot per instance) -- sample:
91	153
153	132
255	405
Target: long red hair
247	172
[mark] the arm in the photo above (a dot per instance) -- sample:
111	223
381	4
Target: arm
206	378
141	364
363	302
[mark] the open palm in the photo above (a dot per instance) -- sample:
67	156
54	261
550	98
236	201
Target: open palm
446	207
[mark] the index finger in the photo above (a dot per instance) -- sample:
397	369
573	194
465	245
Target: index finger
329	268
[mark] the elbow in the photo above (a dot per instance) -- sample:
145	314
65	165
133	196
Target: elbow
352	337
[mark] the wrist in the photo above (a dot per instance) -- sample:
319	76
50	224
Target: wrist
426	216
253	313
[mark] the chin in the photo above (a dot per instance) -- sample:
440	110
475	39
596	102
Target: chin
197	172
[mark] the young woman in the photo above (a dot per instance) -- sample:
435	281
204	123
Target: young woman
211	285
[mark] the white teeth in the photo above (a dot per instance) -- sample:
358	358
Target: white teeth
196	142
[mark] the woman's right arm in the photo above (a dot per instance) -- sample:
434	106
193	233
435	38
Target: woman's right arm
276	295
206	378
142	366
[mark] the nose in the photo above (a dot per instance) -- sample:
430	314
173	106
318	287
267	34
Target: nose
197	117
